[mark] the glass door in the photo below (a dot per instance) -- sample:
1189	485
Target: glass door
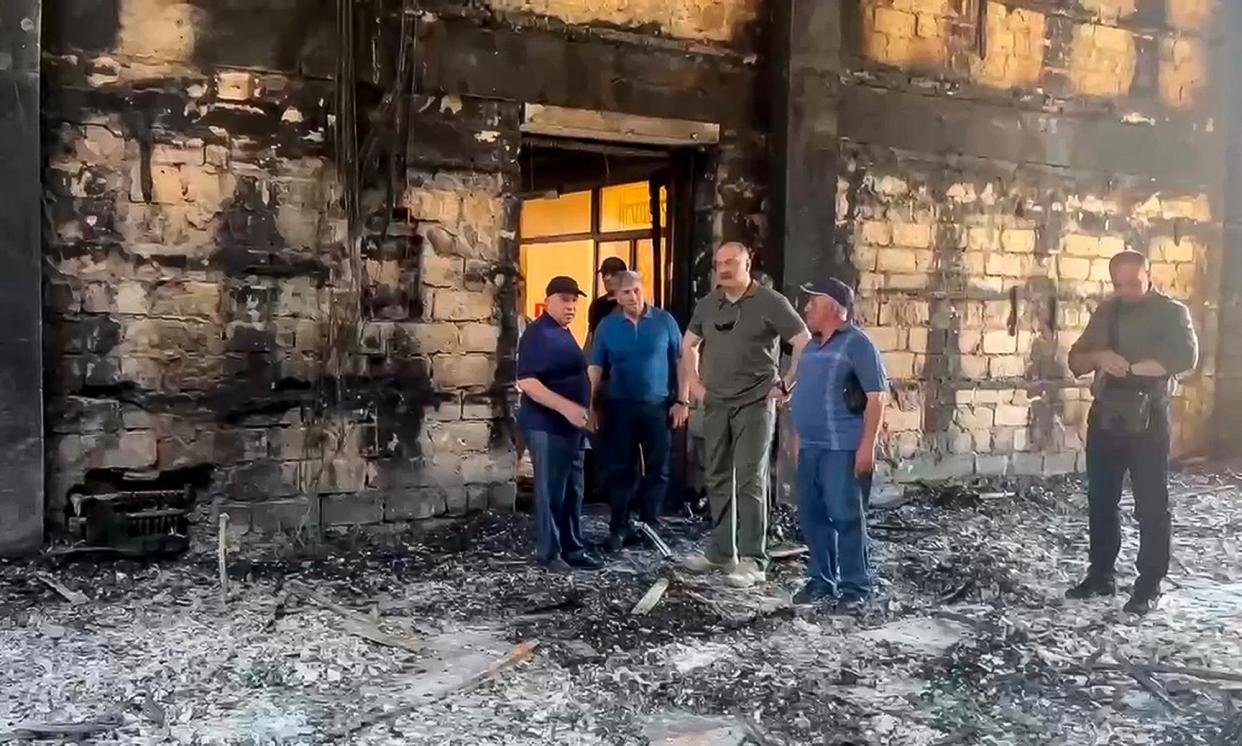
571	234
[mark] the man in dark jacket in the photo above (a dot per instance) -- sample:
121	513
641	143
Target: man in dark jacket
609	270
1137	344
597	465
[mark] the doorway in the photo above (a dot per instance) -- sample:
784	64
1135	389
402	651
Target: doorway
585	202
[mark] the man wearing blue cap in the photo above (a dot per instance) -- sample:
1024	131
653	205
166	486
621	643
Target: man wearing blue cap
552	375
838	407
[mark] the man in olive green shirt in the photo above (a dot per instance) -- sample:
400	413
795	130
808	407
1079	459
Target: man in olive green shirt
1136	344
730	359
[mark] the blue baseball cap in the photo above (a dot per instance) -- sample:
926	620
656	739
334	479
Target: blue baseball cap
832	288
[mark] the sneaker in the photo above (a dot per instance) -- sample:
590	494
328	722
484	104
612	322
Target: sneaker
1142	603
813	593
1092	585
701	564
583	561
747	573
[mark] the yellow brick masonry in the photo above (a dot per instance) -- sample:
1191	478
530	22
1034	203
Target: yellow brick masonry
1102	61
900	259
906	33
1016	44
927	35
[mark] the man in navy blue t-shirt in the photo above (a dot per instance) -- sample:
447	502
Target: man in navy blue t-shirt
838	407
553	415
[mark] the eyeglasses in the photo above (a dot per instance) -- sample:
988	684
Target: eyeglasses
727	326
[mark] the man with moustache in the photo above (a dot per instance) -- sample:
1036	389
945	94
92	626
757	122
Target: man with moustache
553	417
1137	343
730	358
838	410
639	346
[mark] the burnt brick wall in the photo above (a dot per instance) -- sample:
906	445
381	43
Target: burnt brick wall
993	159
209	318
1227	423
21	492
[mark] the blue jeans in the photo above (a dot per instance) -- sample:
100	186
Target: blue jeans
631	428
558	495
830	514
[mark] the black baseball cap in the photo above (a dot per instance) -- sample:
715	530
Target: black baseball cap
832	288
562	285
612	265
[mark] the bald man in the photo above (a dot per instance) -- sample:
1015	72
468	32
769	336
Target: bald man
730	359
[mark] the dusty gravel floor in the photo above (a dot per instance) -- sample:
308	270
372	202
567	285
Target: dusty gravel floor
969	641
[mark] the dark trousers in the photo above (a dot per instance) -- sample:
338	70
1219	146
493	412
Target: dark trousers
1146	457
557	461
631	429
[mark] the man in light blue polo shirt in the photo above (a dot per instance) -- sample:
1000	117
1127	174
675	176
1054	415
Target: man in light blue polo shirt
638	346
838	408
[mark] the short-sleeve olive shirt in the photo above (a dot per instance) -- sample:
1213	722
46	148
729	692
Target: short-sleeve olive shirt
1154	328
741	342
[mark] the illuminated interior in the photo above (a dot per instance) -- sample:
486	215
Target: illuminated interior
571	234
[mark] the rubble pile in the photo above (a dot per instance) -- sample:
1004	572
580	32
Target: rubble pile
449	635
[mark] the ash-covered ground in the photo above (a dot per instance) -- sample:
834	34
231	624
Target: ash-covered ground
969	642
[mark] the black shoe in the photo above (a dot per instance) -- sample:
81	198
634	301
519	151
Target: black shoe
583	561
812	594
1142	602
1093	585
615	542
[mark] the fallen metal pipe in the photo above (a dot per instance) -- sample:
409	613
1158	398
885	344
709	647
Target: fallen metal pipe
655	540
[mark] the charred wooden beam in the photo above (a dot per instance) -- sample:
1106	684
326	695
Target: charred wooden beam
532	65
1172	151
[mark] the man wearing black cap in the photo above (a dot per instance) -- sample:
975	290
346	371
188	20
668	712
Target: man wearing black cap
838	407
597	464
553	415
605	304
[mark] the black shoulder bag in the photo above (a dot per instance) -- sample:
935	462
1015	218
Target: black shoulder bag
1121	407
855	396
